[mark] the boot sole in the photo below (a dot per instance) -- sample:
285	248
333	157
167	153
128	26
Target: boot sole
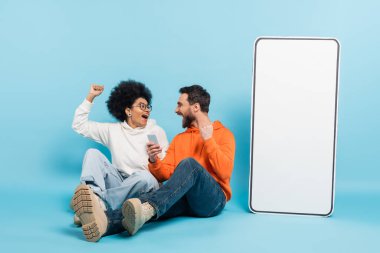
131	209
90	213
76	218
77	221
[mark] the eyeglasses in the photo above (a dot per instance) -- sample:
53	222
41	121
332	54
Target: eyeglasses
144	107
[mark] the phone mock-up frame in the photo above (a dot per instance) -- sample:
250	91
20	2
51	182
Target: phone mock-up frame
294	125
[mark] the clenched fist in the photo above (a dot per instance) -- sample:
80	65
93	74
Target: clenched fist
95	90
206	131
205	126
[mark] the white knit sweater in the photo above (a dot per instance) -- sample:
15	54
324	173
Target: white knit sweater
127	145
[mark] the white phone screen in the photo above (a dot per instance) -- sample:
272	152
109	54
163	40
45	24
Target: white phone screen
293	128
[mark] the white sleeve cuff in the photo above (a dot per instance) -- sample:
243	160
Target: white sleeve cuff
86	105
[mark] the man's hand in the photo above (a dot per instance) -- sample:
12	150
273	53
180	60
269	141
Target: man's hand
153	151
95	90
206	131
205	126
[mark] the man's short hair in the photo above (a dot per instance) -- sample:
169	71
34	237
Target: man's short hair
197	94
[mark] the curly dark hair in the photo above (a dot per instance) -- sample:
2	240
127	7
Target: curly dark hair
197	94
124	95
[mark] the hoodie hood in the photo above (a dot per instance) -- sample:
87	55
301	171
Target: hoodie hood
216	125
149	125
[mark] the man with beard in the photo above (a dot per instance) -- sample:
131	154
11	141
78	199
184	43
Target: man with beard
197	167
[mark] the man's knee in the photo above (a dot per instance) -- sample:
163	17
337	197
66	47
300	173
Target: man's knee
190	162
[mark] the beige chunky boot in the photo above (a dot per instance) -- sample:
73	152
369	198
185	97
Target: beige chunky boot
76	218
90	210
136	214
77	221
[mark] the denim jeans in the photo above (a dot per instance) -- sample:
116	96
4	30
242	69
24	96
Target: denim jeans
112	186
190	191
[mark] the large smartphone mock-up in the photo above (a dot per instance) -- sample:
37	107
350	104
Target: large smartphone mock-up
294	125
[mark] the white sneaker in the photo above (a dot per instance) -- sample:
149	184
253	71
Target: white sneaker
90	210
136	214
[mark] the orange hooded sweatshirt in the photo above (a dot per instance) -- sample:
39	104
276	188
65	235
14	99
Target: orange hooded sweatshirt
216	155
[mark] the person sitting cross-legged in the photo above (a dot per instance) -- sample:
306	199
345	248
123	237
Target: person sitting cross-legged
104	186
197	168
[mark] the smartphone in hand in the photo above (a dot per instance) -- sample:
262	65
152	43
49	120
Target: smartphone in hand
153	138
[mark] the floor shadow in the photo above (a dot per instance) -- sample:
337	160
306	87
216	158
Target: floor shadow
158	224
72	231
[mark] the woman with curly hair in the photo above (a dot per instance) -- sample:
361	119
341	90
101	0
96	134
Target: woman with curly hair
105	185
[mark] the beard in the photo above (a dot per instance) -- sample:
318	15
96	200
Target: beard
187	120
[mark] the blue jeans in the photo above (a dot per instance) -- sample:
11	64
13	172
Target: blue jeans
190	191
113	186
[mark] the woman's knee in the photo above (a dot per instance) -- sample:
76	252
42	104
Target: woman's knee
93	162
146	179
92	152
93	155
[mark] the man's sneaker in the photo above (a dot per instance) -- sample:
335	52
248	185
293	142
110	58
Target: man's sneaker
136	214
90	210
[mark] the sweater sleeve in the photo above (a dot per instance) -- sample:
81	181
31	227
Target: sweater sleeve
96	131
221	155
163	169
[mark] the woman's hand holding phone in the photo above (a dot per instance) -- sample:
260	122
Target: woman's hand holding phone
153	148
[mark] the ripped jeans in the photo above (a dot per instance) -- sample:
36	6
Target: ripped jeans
113	186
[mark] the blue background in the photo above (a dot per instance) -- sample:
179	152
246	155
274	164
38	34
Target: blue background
50	51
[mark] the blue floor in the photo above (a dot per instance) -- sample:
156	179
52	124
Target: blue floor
40	220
